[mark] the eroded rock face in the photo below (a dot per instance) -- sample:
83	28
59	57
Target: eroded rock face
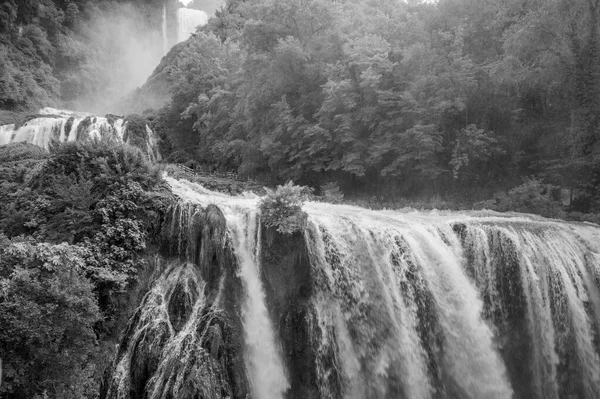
185	339
288	280
363	304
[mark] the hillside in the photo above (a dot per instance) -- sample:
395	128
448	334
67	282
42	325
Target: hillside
79	54
305	199
457	99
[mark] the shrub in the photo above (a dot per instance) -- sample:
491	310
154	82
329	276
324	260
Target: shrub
532	196
19	151
95	195
179	157
10	117
331	193
282	208
106	161
136	133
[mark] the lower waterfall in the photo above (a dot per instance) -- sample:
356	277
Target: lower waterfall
263	363
363	304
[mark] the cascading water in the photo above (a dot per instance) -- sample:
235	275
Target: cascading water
165	37
409	308
365	304
187	21
263	363
53	124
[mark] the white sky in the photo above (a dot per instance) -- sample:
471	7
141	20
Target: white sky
185	2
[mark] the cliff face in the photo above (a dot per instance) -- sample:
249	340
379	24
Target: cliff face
289	285
185	338
363	304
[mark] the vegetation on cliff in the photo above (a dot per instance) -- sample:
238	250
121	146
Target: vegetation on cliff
282	208
77	226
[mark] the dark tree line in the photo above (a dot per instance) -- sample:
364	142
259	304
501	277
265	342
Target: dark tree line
455	98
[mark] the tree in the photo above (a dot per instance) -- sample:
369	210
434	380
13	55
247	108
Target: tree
282	208
47	313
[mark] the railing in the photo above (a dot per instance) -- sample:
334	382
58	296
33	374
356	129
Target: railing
200	171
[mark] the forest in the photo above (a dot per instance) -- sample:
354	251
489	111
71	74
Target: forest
460	103
459	99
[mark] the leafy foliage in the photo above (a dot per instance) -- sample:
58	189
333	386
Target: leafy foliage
47	314
282	208
533	196
136	133
20	151
331	193
458	98
88	215
473	150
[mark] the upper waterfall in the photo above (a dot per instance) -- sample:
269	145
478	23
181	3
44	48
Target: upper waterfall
187	21
165	38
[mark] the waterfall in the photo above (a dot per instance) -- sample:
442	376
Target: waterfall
187	21
263	361
62	125
164	30
366	304
7	134
404	295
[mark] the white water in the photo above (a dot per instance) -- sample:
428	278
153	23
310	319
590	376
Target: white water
187	21
52	124
396	302
164	30
265	367
365	245
263	361
6	134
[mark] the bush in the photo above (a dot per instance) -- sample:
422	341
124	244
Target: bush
179	157
11	118
282	208
20	151
136	133
532	196
105	161
331	193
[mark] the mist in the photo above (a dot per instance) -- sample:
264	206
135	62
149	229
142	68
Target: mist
125	45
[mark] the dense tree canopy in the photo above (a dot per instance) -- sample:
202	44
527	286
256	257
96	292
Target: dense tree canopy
451	98
456	97
75	230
